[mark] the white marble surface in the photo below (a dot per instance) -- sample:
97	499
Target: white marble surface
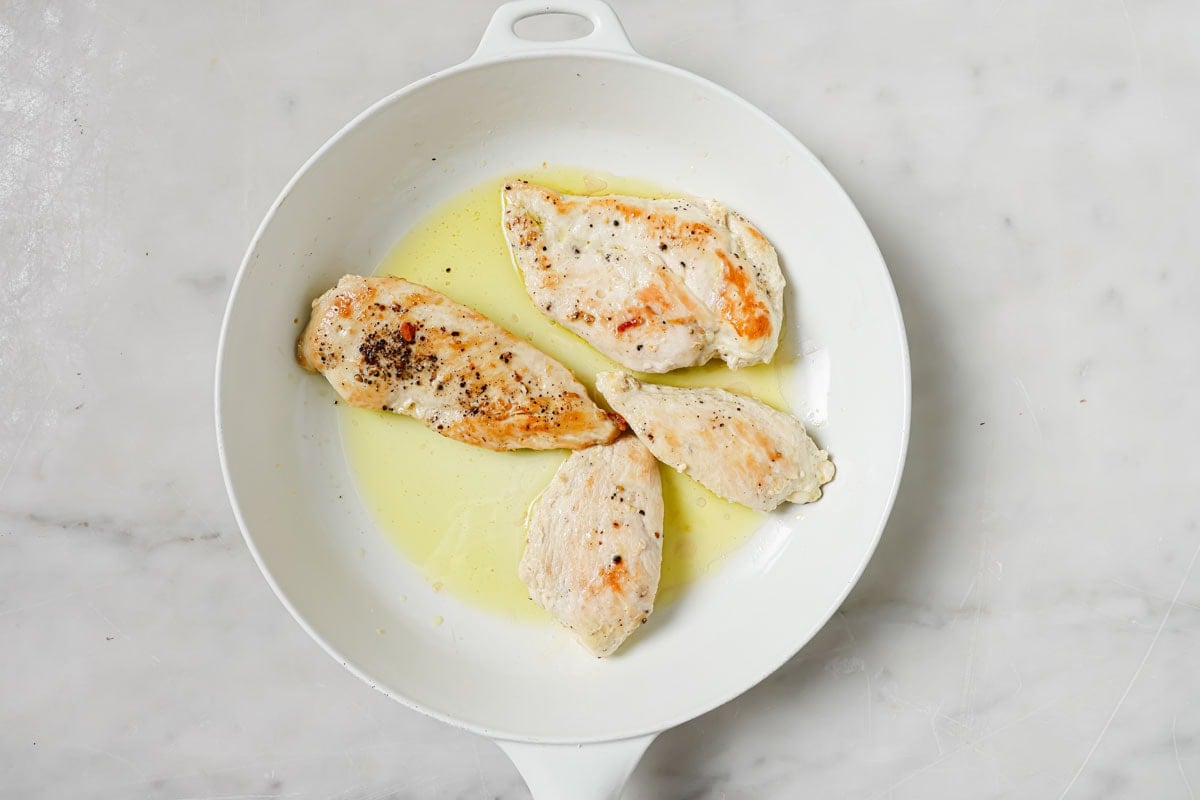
1030	627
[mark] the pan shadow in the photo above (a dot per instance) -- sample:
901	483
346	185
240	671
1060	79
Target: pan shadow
687	761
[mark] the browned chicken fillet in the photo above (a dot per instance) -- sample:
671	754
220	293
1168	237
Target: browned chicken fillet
389	344
593	546
653	284
738	447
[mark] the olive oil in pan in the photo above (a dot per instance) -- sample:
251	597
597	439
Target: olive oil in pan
456	511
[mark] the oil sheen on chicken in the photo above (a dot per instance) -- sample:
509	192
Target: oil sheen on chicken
740	448
389	344
593	547
654	285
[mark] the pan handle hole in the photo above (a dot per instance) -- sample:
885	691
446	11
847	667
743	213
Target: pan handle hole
552	27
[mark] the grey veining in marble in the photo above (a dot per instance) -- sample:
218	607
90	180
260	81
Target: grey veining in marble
1030	627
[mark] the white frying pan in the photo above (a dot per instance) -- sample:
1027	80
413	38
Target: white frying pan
593	102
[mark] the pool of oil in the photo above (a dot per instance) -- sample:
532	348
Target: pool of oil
457	512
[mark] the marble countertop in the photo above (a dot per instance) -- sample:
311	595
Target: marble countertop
1030	626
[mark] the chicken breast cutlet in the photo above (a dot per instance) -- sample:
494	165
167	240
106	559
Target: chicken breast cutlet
654	285
593	546
738	447
389	344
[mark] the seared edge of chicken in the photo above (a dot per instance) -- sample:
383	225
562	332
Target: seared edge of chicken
593	546
653	284
385	343
738	447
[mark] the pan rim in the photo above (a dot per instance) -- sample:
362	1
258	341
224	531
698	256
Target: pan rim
790	645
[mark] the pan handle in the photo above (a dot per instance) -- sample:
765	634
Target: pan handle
500	39
577	771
